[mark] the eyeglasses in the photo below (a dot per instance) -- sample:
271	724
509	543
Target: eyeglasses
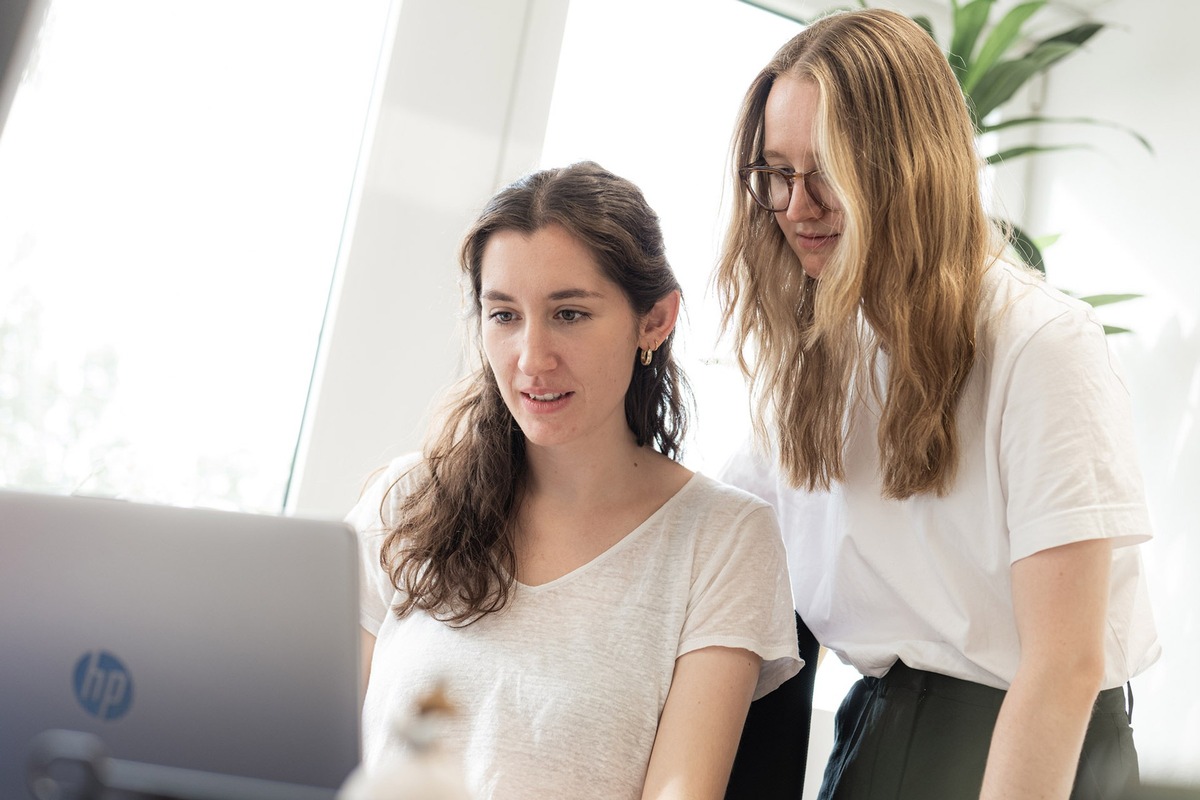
771	187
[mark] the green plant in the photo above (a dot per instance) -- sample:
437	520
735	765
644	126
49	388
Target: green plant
993	61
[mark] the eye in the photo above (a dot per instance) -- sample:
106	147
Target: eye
572	315
777	167
501	316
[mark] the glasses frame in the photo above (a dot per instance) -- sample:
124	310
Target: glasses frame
747	172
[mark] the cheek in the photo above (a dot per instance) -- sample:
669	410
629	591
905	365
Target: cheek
837	219
493	353
783	226
781	221
618	372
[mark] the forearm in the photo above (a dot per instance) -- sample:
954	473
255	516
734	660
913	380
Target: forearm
1060	600
701	724
1039	733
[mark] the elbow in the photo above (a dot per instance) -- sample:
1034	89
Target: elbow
1089	671
1083	681
1085	661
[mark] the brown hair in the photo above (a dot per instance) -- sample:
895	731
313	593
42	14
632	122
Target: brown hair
451	550
895	141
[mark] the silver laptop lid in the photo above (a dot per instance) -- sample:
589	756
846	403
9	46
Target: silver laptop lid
190	638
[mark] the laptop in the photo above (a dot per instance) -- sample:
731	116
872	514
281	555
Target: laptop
188	641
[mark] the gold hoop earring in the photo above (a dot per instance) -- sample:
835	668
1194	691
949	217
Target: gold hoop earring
647	356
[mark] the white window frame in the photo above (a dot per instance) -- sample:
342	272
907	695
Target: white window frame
455	117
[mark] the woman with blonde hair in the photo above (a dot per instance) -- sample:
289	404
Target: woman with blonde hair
948	441
601	616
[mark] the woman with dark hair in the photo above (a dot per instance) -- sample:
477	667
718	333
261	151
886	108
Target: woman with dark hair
601	616
949	444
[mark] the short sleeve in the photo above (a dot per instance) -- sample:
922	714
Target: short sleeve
1067	457
740	595
372	517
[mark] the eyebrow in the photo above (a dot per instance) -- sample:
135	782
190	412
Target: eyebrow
561	294
773	154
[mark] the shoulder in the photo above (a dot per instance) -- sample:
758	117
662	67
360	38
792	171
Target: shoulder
1018	306
711	495
385	491
724	517
1027	320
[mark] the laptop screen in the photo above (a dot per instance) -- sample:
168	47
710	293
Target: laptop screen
188	638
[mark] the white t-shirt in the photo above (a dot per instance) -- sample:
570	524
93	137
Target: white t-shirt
560	693
1047	459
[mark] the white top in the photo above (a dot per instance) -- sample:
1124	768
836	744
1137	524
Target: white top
561	692
1047	459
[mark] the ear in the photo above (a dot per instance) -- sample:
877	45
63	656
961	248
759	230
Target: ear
659	321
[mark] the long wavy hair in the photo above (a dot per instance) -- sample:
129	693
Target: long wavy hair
894	139
451	549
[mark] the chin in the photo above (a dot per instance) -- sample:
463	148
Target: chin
812	267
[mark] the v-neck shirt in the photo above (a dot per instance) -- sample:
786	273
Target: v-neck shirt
560	693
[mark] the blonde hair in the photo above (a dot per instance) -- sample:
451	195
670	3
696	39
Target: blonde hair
894	139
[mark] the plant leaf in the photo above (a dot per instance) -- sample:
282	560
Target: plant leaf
1012	153
999	41
969	20
1097	300
1012	123
1075	36
925	23
777	10
1001	82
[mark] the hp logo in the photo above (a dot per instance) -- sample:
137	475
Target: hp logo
102	685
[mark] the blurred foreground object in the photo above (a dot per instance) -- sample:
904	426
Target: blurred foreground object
423	771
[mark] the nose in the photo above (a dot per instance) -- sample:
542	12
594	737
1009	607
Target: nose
800	206
537	351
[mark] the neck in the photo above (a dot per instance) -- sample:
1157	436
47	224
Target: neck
587	478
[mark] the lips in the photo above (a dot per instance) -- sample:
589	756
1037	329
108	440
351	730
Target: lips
814	240
545	397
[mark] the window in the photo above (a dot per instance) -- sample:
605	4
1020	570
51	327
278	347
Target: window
174	179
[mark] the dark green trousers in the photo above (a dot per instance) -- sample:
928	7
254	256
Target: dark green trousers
915	735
